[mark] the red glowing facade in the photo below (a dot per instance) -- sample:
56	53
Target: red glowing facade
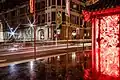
105	43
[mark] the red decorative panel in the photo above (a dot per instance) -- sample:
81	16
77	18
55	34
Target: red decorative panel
106	41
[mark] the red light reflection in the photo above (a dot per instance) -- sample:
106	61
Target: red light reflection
107	50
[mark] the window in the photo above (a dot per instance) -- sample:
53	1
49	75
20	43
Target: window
81	8
85	26
38	19
87	34
6	15
41	34
13	13
75	6
71	4
38	6
31	19
27	9
73	19
63	2
42	5
46	3
53	2
77	20
81	21
58	2
43	18
63	16
48	17
49	3
22	20
53	16
22	10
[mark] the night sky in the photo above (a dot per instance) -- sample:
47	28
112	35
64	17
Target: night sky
9	4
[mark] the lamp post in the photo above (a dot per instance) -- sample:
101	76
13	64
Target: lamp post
31	26
34	38
67	30
32	11
56	36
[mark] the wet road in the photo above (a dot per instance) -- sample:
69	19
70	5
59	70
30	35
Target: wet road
37	71
6	57
24	71
15	72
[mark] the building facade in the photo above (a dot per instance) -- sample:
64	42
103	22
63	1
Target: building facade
46	21
1	32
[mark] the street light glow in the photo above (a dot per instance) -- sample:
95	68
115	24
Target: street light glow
31	65
12	33
31	25
12	67
73	56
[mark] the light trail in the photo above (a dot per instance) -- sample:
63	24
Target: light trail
50	48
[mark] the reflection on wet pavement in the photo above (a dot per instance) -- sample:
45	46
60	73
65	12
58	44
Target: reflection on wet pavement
15	72
40	70
25	71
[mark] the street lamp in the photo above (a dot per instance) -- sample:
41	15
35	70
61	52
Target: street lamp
67	13
32	11
31	25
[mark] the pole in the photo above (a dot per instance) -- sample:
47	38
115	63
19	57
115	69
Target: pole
67	25
67	37
67	47
83	39
32	10
56	24
34	15
56	35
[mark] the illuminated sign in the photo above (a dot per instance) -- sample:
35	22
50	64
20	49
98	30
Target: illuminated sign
31	6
